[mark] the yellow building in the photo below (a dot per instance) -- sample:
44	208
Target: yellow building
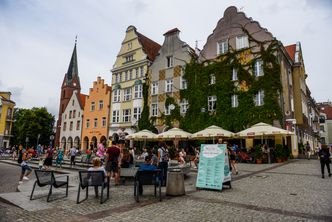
129	71
6	118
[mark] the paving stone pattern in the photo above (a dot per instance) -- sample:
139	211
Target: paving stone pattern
293	191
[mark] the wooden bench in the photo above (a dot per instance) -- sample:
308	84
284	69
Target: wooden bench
147	177
47	178
127	173
93	179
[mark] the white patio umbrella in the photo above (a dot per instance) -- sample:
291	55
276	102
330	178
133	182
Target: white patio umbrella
212	132
263	129
174	133
142	135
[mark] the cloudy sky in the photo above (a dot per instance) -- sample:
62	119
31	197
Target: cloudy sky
37	38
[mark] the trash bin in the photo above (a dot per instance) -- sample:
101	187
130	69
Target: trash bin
175	182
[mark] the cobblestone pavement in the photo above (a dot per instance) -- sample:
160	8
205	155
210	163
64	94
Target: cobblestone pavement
293	191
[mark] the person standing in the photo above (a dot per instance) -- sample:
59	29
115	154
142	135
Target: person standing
324	157
163	159
73	153
112	162
14	152
49	159
101	151
59	157
308	150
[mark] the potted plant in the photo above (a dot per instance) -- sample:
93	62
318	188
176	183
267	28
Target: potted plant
279	153
258	154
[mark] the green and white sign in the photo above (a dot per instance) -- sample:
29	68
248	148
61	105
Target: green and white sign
213	168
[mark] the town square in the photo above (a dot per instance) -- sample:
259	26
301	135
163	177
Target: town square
165	111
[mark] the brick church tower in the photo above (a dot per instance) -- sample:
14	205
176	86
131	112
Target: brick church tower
70	83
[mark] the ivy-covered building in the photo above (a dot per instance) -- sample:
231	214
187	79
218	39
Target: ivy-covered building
166	80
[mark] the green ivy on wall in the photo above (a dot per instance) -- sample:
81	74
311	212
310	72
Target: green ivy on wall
246	87
144	122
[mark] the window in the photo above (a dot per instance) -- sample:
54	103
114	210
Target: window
235	102
258	68
169	85
137	113
127	94
136	75
120	76
184	106
103	121
212	79
222	47
65	116
74	113
71	126
234	74
212	102
117	77
92	108
154	90
78	124
70	114
101	104
169	61
130	45
154	109
138	91
242	42
116	116
73	103
87	123
126	115
142	71
130	74
259	98
95	123
290	80
184	84
64	126
168	110
126	76
116	95
321	128
129	58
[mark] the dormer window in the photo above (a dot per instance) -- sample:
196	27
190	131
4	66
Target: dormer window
222	47
242	42
169	61
129	58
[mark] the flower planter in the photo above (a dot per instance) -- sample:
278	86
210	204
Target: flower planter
259	161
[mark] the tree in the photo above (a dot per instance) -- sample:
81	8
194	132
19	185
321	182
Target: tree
31	122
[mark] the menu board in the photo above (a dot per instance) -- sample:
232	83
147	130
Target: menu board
212	168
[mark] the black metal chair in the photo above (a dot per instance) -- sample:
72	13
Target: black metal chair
93	179
147	177
47	178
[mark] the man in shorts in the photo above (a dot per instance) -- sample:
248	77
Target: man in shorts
113	161
26	169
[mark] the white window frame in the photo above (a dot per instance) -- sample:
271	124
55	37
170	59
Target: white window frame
154	109
127	94
212	79
95	122
169	61
138	91
259	98
169	85
126	75
117	79
87	123
92	106
234	74
154	90
222	47
137	113
258	68
116	116
126	115
234	101
116	95
103	121
184	83
212	103
242	42
101	104
184	105
167	111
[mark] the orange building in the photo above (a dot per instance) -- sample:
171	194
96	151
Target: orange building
96	114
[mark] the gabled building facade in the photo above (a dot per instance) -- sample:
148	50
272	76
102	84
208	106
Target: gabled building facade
128	74
325	122
6	119
71	83
71	122
166	80
96	114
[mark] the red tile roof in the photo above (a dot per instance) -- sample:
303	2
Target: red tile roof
172	31
291	51
82	99
150	47
327	109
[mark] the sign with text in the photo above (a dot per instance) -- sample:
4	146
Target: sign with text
213	167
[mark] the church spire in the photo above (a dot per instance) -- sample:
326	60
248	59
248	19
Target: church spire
73	69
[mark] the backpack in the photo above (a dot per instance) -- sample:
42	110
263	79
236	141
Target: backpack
164	156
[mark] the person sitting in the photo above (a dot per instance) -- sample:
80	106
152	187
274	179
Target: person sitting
96	166
126	160
146	166
144	154
182	156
